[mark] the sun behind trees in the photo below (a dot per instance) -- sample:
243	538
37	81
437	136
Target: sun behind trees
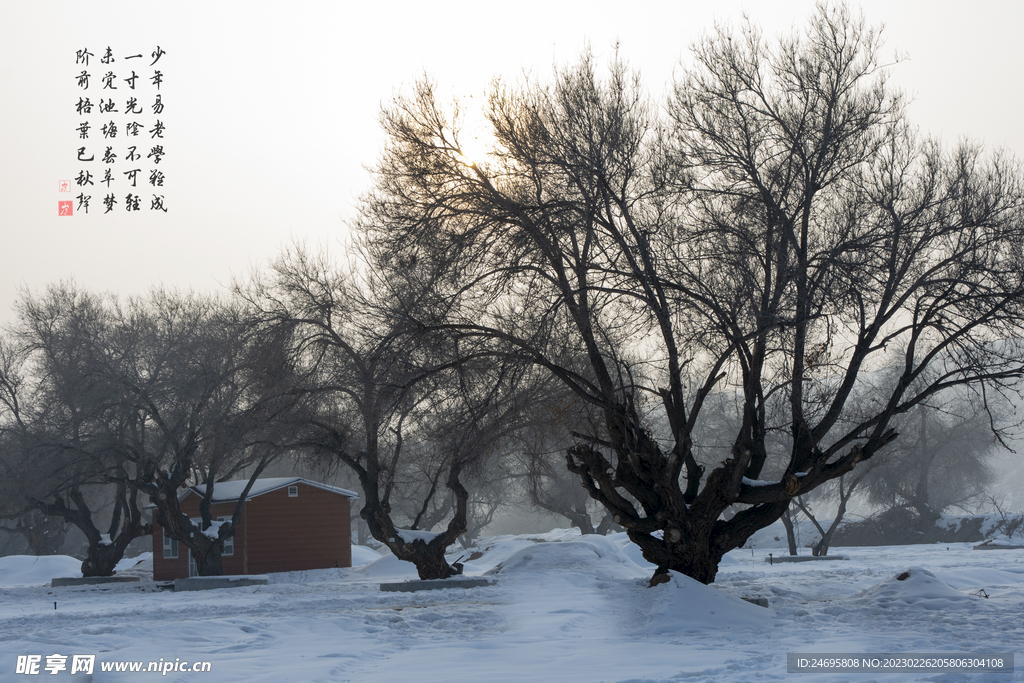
775	229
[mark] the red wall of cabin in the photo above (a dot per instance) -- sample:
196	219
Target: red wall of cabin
276	534
311	531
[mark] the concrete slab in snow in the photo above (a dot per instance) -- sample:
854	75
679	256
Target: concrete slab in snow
91	580
436	584
804	558
205	583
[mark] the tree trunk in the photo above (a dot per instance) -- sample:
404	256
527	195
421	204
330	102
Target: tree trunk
205	551
573	510
693	537
362	533
691	555
428	558
697	551
607	525
926	516
43	532
787	521
126	525
208	562
581	521
101	559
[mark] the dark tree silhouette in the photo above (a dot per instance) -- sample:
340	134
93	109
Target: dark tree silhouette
941	461
388	403
63	418
775	228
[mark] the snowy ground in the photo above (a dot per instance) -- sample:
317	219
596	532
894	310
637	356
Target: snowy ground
565	609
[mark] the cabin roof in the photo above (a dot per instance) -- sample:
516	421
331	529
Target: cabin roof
226	491
229	491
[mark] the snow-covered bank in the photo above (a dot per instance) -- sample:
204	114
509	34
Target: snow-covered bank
29	570
565	609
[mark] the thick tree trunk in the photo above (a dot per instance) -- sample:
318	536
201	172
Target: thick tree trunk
581	521
208	562
101	559
429	559
126	525
206	551
693	539
695	554
692	556
427	556
926	516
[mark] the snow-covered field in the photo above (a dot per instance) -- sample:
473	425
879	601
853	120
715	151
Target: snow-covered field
565	608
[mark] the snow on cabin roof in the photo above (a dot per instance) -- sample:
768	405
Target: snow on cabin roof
225	491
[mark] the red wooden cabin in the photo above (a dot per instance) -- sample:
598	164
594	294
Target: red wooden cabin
287	524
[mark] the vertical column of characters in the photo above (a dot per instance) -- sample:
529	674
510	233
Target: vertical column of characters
84	109
108	130
156	134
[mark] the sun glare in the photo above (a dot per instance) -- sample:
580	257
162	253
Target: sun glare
475	138
473	149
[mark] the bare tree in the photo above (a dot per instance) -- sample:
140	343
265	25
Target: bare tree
778	231
42	534
550	486
382	400
840	490
942	461
63	413
210	395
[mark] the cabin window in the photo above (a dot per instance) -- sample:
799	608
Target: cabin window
293	491
170	548
229	543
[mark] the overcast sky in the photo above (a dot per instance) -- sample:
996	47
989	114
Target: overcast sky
270	109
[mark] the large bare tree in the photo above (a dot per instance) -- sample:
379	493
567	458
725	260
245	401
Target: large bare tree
775	229
355	375
383	400
62	420
210	394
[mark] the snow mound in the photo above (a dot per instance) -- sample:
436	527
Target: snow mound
595	556
684	604
555	535
29	570
141	566
918	587
629	549
362	555
386	568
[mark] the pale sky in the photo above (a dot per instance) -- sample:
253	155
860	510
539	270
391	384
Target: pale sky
271	109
